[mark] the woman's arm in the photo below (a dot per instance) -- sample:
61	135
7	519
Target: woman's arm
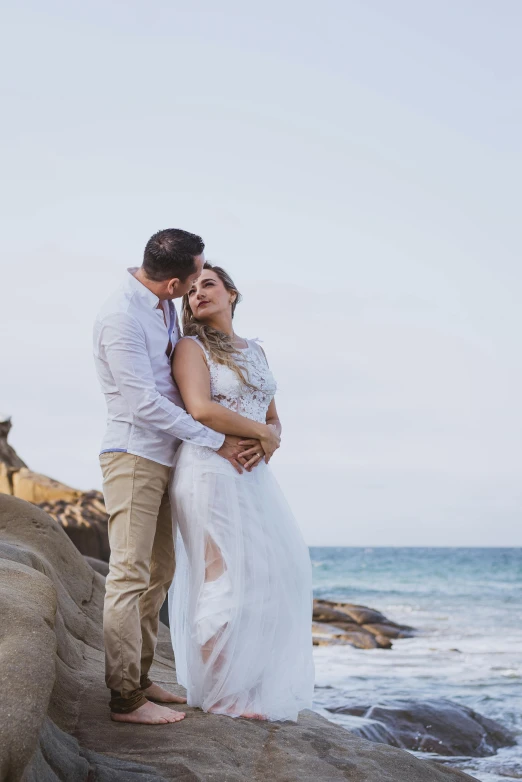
193	379
272	418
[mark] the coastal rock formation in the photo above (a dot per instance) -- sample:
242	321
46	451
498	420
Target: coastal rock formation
98	565
355	625
81	514
51	673
439	726
8	455
9	459
85	522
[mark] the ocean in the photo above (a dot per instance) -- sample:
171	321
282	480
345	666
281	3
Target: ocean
467	605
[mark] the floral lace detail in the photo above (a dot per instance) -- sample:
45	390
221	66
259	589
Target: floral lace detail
227	389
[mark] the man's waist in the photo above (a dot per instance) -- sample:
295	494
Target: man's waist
121	433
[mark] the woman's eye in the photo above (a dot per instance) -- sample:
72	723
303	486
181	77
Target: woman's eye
192	292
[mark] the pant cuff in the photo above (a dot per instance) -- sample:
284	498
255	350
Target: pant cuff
123	705
145	682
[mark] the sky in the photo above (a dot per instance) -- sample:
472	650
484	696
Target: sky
356	167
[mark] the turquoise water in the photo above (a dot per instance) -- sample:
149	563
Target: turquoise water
467	603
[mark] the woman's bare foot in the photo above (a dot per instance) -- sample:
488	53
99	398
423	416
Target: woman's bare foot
252	716
247	715
159	695
149	714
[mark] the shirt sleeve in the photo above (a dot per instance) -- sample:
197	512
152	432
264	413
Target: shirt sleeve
123	341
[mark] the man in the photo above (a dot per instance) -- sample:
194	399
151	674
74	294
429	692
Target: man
134	336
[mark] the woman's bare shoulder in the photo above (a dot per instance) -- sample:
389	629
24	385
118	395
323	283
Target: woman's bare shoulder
189	349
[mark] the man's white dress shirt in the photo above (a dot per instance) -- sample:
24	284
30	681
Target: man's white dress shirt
133	344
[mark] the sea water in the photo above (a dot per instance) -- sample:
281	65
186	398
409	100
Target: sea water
466	604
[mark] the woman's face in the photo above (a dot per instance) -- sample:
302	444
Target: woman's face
208	296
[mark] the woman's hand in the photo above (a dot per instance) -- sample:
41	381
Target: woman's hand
269	441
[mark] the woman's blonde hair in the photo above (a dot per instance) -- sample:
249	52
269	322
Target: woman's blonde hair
218	345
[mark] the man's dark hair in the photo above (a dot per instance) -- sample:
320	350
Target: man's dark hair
170	253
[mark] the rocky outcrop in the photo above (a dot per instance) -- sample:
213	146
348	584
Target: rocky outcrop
10	462
355	625
8	455
81	514
51	674
85	521
98	565
439	726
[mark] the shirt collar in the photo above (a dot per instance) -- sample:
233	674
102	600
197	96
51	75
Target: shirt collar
139	288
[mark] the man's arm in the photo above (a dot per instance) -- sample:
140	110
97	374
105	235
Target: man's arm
125	348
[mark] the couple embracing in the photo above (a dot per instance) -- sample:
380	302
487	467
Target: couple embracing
194	508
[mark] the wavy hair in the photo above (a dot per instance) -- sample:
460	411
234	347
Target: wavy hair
218	344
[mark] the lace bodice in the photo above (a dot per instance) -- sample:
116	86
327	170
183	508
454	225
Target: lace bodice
227	389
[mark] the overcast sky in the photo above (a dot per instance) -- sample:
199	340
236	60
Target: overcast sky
356	166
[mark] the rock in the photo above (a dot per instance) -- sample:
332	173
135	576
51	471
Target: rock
323	612
363	615
8	455
82	514
59	757
439	726
53	691
9	459
98	565
48	601
36	488
383	642
389	630
329	635
85	522
6	483
347	623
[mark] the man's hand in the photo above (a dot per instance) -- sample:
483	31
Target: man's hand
264	448
233	450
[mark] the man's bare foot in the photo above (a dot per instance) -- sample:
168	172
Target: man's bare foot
159	695
149	714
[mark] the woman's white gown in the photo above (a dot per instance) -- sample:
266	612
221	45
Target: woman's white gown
240	605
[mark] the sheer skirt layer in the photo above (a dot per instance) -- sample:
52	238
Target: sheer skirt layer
241	601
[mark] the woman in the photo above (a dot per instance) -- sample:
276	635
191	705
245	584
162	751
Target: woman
240	604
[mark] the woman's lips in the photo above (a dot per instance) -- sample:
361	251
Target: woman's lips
201	303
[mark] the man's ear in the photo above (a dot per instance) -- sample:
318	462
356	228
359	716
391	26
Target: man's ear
173	285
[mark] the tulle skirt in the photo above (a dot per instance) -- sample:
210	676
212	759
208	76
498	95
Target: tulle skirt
240	605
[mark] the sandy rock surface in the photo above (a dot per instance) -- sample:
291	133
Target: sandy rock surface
51	671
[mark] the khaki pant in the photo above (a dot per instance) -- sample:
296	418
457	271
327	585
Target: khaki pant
140	572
